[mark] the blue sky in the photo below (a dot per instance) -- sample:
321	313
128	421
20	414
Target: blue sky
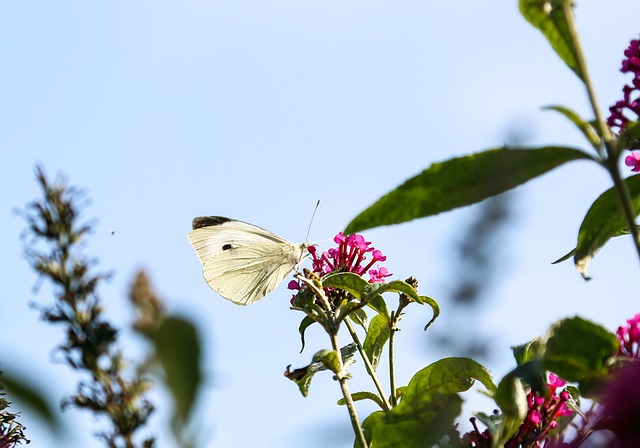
168	110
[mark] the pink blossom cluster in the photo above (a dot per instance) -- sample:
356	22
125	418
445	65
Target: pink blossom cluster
542	417
630	101
629	338
350	256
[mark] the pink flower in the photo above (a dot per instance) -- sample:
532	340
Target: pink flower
629	338
633	160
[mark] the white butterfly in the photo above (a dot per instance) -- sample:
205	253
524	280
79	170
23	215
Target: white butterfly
240	261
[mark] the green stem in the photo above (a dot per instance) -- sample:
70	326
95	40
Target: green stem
368	366
611	159
351	407
392	370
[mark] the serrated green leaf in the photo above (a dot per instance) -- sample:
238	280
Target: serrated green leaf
578	351
177	348
549	17
462	181
420	421
358	396
377	337
453	374
587	128
304	324
604	220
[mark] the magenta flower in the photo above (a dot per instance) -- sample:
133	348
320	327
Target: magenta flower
629	338
633	160
542	417
631	93
620	405
351	255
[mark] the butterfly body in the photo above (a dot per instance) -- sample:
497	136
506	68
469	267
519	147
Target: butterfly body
240	261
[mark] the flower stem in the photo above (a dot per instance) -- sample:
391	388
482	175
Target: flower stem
392	370
342	379
368	366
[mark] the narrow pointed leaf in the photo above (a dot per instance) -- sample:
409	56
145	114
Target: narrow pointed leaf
462	181
304	324
512	400
604	220
584	126
549	17
377	337
358	396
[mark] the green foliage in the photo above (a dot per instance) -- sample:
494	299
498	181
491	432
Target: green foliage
462	181
604	220
377	337
579	351
429	405
586	127
32	397
550	17
177	349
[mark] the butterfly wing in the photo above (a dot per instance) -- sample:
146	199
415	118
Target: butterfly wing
240	261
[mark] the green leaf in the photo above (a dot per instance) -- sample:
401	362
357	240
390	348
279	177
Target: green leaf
527	352
377	337
579	351
358	396
462	181
449	375
512	400
360	317
177	347
586	127
630	137
348	281
420	421
304	324
604	220
434	306
549	17
303	376
31	396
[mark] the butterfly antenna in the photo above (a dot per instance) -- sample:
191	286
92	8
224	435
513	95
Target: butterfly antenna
313	215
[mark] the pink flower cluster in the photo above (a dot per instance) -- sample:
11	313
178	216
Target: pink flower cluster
630	103
629	338
350	256
542	417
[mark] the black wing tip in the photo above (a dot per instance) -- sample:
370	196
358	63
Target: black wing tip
207	221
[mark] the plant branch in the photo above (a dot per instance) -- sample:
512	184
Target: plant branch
348	399
368	366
